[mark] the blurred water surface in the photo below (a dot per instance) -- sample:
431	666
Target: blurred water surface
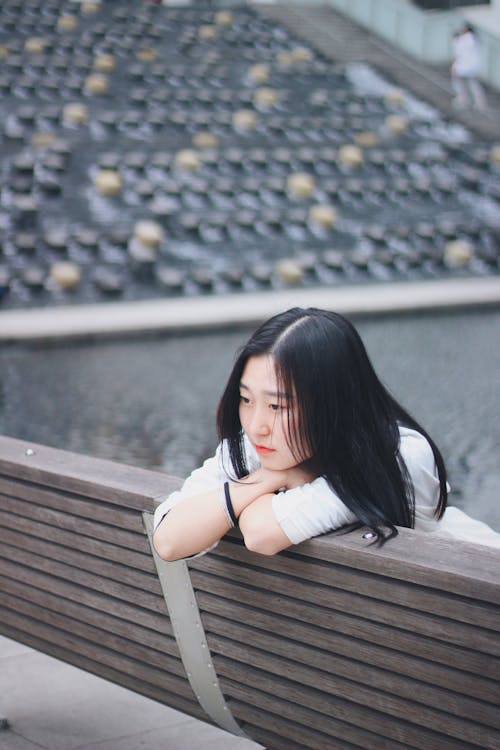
151	401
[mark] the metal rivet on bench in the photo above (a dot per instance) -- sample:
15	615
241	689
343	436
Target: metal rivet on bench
369	535
30	452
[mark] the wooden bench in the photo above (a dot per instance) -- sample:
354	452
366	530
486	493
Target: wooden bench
332	644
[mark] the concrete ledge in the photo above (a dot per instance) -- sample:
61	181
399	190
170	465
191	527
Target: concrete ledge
197	313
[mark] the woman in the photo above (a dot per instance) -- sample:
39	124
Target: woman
311	441
465	70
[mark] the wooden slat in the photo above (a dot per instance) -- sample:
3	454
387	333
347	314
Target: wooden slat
59	519
353	681
96	547
73	644
156	639
166	657
87	564
411	620
457	567
77	505
276	732
463	568
171	697
90	598
95	582
367	584
273	741
356	657
341	718
332	643
230	599
129	486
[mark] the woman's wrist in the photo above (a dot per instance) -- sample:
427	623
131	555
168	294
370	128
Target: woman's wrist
231	513
243	492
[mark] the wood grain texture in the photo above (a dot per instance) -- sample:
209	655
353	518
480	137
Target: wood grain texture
438	626
467	570
166	657
128	486
92	599
77	525
153	631
30	529
340	718
386	693
330	644
355	659
58	571
77	505
98	566
315	621
389	656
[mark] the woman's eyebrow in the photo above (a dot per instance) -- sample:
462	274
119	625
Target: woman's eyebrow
274	394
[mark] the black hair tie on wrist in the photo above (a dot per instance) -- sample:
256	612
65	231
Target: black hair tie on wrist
229	504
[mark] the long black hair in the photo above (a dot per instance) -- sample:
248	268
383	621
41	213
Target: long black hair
347	420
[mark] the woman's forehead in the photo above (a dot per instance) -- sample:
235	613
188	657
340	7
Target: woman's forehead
260	375
260	372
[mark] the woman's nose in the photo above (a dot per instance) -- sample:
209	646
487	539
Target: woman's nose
260	423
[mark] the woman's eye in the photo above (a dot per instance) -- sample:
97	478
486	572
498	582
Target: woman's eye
277	407
244	399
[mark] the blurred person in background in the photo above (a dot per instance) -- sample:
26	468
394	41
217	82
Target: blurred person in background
465	70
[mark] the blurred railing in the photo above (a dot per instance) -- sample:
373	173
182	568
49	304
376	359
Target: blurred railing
427	35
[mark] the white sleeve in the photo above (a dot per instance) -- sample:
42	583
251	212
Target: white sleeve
421	464
315	508
458	524
310	510
207	477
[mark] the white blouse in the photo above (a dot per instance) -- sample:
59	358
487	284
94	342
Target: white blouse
466	53
315	508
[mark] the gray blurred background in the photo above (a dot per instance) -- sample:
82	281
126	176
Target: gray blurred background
151	401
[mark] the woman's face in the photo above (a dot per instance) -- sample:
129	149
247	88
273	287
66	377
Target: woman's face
266	415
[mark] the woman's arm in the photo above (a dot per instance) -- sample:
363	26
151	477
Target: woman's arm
258	521
199	521
309	509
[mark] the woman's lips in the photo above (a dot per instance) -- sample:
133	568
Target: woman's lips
263	449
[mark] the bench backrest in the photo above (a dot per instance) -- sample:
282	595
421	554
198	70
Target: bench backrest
331	644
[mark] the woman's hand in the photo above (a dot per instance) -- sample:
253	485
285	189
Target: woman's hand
177	536
265	480
261	531
269	480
